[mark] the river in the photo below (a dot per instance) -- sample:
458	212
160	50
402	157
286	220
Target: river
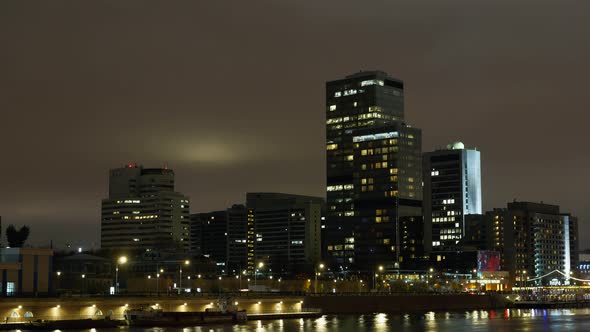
471	321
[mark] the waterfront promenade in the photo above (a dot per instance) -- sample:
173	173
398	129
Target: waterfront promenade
27	309
258	305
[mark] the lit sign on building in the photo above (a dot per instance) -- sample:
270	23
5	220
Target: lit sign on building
374	137
488	261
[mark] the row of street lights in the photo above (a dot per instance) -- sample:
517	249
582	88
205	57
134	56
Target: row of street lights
317	271
121	260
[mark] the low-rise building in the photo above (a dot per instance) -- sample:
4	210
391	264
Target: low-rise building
26	271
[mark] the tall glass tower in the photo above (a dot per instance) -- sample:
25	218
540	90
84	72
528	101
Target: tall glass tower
374	173
452	190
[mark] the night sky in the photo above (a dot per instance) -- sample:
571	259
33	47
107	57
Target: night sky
230	94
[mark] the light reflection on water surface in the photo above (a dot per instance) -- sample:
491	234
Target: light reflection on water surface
471	321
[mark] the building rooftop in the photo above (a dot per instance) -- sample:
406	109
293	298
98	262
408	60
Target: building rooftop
372	73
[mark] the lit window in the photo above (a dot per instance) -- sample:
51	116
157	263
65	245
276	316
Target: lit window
335	188
332	108
372	82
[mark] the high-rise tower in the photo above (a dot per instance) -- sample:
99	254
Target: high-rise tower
452	190
143	211
374	172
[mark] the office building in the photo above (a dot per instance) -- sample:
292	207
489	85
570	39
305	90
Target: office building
477	230
98	272
374	171
284	232
281	231
26	271
534	240
412	255
143	212
237	235
452	190
221	236
209	236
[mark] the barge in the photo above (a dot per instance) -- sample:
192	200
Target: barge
149	316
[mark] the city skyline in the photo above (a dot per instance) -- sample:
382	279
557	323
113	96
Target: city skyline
97	107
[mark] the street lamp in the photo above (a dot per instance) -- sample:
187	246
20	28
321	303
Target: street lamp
260	266
319	267
186	263
240	277
121	260
380	269
58	279
158	269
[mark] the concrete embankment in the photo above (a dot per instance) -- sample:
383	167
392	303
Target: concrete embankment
16	310
363	304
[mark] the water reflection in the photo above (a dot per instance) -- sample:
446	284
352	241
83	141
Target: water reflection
381	322
320	324
472	321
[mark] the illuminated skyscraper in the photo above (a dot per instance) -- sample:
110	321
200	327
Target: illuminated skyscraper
535	239
143	212
452	190
374	174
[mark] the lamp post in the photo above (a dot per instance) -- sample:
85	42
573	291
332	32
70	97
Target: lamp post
260	266
83	283
58	273
315	285
158	280
380	269
121	260
186	263
244	273
526	292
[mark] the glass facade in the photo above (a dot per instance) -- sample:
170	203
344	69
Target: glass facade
373	170
452	190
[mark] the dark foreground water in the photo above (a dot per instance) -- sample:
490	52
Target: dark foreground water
471	321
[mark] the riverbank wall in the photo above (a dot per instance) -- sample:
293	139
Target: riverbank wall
365	304
27	309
